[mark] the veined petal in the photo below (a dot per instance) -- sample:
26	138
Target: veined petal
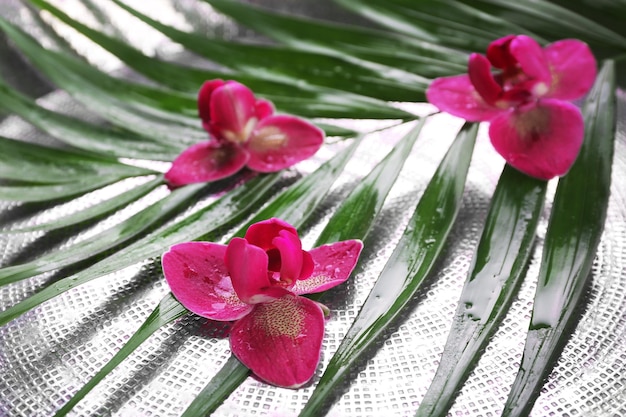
457	96
204	100
233	112
532	61
541	140
206	161
281	141
262	234
197	276
333	265
247	265
281	341
573	68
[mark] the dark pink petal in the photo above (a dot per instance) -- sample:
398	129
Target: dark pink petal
530	57
262	234
197	276
333	265
204	100
281	341
247	266
499	54
233	112
279	142
457	96
206	161
573	69
479	71
540	139
290	249
263	108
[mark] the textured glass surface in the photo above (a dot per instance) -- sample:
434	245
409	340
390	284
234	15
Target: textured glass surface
50	352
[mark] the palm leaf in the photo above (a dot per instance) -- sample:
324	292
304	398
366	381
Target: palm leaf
317	69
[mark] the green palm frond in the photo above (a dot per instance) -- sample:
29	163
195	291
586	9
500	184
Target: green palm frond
358	81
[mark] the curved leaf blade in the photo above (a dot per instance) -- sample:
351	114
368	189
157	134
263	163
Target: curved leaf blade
498	267
38	164
407	267
574	232
94	211
320	102
292	65
105	240
448	22
83	135
52	192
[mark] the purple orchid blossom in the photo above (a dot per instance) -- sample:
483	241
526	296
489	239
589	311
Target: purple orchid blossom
258	281
524	92
244	132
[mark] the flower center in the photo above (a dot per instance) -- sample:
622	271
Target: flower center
282	317
243	135
269	137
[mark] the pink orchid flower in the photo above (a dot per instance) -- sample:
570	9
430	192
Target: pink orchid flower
257	280
244	132
524	92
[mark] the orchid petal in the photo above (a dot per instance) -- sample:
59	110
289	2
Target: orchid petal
247	265
281	341
197	276
290	249
281	141
540	139
233	112
573	69
204	101
457	96
262	234
532	60
333	265
479	71
499	54
206	161
263	108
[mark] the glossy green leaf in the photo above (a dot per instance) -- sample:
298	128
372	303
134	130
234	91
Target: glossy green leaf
93	212
574	232
29	162
228	208
408	266
373	50
295	98
166	312
353	219
105	240
227	379
370	45
89	137
134	107
355	216
554	22
444	22
295	66
51	192
497	269
307	192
